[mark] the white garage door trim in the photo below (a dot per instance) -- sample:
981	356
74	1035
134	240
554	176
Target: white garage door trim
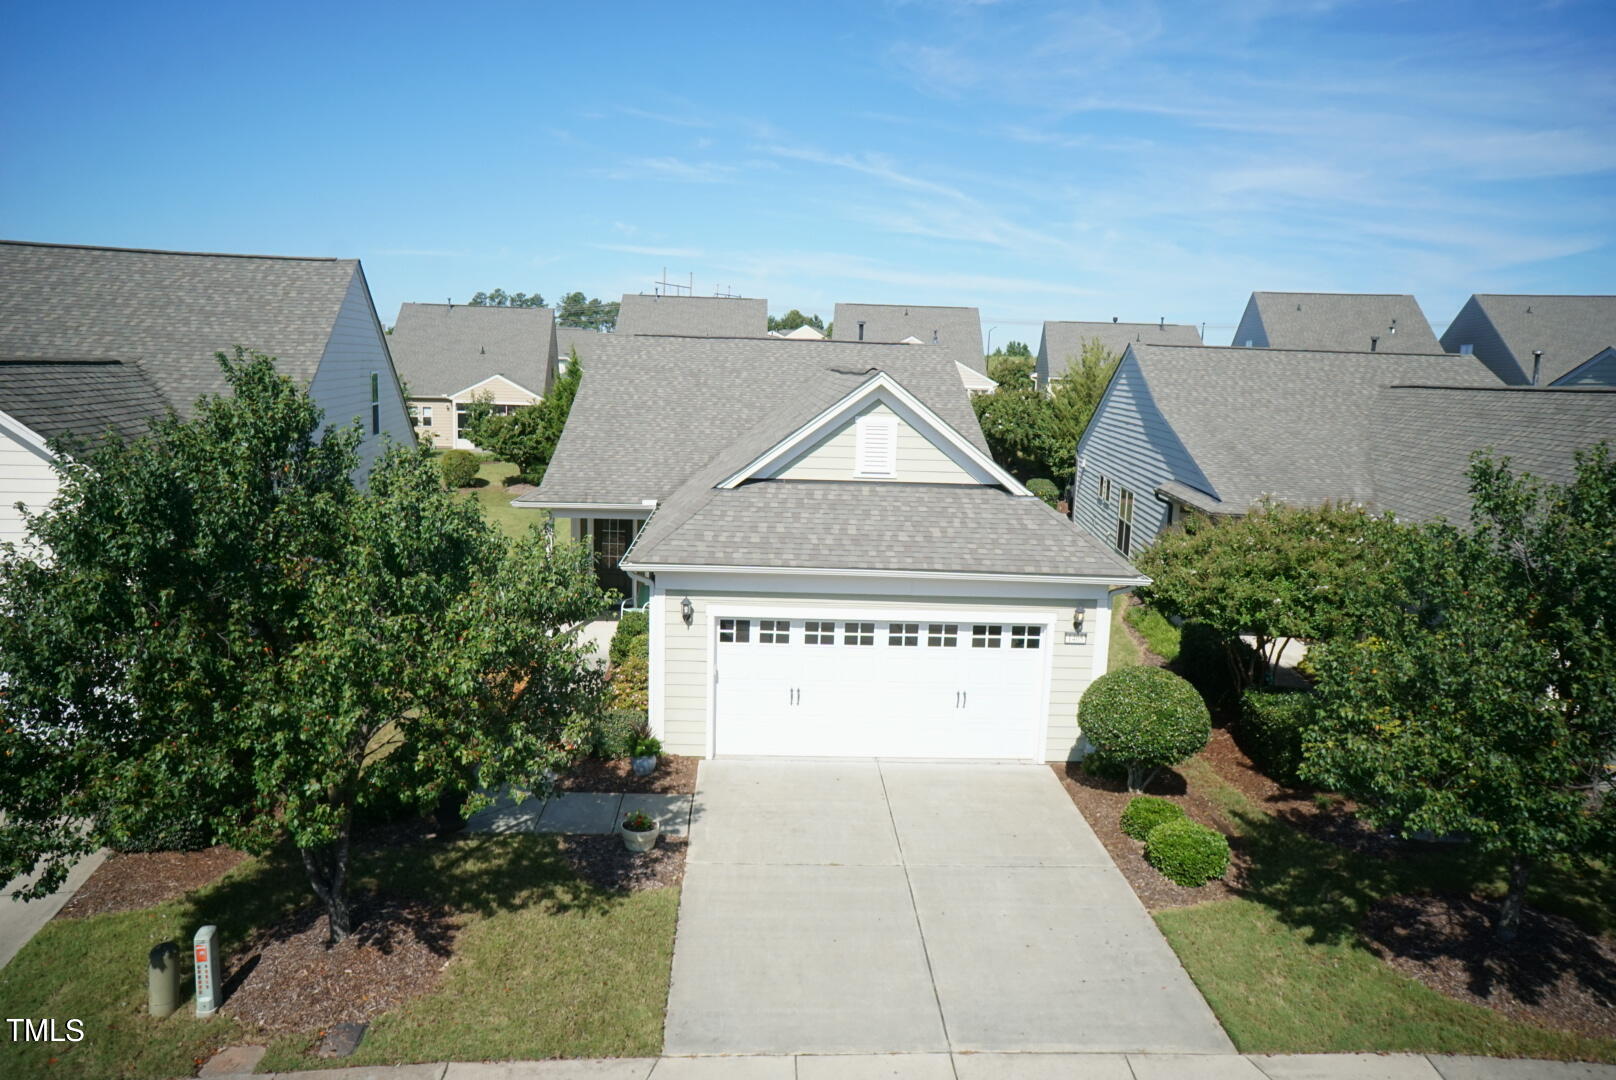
1036	737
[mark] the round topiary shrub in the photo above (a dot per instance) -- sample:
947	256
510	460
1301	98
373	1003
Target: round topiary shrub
1145	717
1144	813
459	468
1044	489
1187	854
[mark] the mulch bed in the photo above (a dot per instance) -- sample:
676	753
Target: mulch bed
139	880
1101	802
674	775
287	979
1554	974
606	863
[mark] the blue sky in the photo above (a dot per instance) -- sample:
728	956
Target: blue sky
1038	161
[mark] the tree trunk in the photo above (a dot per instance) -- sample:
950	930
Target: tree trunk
328	872
1140	776
1509	912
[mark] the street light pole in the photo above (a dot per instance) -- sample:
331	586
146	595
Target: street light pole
990	339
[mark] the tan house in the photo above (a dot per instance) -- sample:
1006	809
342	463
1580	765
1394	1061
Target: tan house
449	355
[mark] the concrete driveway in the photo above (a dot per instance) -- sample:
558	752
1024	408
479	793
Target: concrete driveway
870	906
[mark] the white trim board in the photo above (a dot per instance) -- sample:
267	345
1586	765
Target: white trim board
25	436
920	575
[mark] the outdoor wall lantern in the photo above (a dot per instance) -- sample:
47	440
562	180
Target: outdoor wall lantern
1077	621
687	609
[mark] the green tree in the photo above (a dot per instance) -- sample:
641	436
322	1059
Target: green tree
1018	425
588	314
228	621
1076	394
500	298
1277	573
526	436
793	319
1483	703
1146	718
1014	372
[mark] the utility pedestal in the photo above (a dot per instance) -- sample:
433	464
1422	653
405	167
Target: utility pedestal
163	980
207	970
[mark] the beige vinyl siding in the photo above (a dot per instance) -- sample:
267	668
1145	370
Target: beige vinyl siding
835	457
500	390
26	477
684	682
341	385
440	432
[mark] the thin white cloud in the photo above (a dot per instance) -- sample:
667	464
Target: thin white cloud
636	249
674	168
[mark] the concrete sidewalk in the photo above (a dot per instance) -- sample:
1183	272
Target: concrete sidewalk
990	1067
19	921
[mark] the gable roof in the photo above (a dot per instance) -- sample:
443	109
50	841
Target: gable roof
169	311
1424	437
956	329
442	349
1344	321
695	316
1570	330
79	398
1062	342
1287	423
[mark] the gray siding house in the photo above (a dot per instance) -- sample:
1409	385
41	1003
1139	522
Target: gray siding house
1215	430
1062	342
1576	336
957	329
1352	322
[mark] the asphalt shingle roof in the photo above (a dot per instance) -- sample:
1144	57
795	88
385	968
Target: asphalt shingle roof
79	399
1423	437
1340	321
693	316
1063	341
170	312
570	338
441	349
1286	423
1569	329
956	329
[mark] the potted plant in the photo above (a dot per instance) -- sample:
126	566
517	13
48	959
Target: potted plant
640	831
644	753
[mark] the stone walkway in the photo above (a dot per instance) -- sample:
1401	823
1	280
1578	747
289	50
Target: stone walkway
581	814
988	1067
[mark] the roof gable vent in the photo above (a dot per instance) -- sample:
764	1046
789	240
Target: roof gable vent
877	438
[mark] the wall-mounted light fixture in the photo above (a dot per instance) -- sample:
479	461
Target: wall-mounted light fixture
1077	620
687	610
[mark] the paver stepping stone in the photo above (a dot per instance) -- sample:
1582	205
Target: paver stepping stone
581	814
672	812
233	1061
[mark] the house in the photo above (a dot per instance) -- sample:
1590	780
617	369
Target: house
1539	340
957	329
693	316
974	381
832	563
1215	430
95	337
1062	342
803	332
451	354
1351	322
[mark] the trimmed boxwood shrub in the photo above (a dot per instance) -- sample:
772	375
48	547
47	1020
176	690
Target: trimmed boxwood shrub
1097	764
632	637
459	468
1145	717
1044	489
1270	731
1187	854
616	733
1145	812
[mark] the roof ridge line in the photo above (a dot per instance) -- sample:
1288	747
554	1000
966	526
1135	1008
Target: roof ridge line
169	251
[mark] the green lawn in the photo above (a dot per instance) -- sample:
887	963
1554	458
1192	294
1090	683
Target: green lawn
1160	636
1284	971
495	500
545	965
1123	652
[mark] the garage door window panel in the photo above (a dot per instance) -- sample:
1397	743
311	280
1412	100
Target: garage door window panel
858	633
903	634
942	635
734	631
818	633
987	637
1025	637
774	632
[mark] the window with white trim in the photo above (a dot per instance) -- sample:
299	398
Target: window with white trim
987	637
877	438
426	415
858	633
1467	350
942	635
375	403
1025	637
774	632
904	634
735	630
1105	489
1124	520
818	633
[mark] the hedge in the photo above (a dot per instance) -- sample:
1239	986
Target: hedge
1187	854
1145	717
632	637
1145	812
1044	489
1270	731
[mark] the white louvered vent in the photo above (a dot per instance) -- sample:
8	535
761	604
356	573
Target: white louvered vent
877	446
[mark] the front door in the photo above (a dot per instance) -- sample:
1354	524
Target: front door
612	537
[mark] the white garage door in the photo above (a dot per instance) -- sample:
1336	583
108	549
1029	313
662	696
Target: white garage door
875	687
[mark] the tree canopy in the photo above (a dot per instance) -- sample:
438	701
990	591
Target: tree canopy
588	314
794	319
1032	433
501	298
229	628
526	436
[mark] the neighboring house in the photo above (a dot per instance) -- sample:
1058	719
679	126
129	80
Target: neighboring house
164	315
448	355
801	333
832	563
957	329
693	316
577	339
1352	322
974	381
1575	335
1216	430
1062	342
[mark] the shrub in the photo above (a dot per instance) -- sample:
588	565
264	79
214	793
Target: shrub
458	467
1097	764
1204	659
1270	731
632	638
631	684
615	734
1146	717
1044	489
646	746
171	827
1145	812
1186	853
